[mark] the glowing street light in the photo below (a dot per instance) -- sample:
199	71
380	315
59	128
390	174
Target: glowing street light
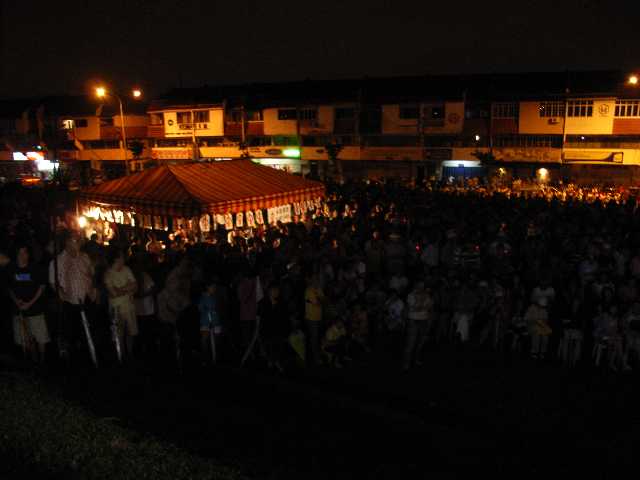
101	92
633	80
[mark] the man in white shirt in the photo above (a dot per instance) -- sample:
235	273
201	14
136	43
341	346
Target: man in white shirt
74	285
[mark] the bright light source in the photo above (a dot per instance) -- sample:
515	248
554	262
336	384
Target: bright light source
633	80
46	166
582	137
502	171
543	173
137	93
291	152
477	137
82	221
101	92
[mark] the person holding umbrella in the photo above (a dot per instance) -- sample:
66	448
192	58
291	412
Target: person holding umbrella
26	288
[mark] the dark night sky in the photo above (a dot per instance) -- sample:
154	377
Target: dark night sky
63	46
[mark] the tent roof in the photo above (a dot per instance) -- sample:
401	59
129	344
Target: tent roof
192	189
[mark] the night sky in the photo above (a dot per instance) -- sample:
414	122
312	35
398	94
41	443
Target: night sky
66	46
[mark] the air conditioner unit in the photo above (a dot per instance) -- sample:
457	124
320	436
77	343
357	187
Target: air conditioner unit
553	121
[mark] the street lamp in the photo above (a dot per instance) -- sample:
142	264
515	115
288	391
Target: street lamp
633	80
101	92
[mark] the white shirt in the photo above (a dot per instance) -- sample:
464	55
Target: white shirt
74	276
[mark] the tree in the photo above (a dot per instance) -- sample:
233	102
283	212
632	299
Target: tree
335	165
487	159
136	148
495	172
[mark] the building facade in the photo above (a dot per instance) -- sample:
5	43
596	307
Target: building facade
582	126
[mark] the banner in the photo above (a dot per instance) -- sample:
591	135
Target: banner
220	219
279	214
228	221
259	217
205	225
240	220
250	219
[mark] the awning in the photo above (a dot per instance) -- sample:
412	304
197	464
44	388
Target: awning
193	189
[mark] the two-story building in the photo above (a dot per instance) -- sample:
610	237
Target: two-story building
87	133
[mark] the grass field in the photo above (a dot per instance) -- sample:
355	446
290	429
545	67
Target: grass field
463	413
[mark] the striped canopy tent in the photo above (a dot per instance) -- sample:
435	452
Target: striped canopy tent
190	190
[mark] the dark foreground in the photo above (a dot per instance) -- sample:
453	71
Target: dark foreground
462	413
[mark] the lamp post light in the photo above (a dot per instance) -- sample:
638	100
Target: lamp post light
633	79
101	92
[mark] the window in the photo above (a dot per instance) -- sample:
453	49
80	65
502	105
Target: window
287	114
437	112
308	114
283	141
156	119
201	116
580	108
254	116
183	117
81	123
551	109
345	113
101	144
505	110
550	141
476	111
627	108
106	122
315	141
68	124
434	115
408	112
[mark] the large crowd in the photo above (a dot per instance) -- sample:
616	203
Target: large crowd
550	273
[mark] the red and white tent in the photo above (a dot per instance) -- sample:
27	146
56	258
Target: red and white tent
195	189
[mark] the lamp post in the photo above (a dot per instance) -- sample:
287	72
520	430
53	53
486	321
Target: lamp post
101	92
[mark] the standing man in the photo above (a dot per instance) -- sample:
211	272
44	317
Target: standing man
74	286
122	285
26	288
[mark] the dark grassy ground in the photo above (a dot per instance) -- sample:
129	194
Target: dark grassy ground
461	413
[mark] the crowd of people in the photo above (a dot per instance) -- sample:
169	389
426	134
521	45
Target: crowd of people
552	274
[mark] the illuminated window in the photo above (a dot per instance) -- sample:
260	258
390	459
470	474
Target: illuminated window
201	116
580	108
627	108
67	124
505	110
183	117
551	109
287	114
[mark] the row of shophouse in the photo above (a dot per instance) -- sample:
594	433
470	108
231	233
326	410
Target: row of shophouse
583	126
